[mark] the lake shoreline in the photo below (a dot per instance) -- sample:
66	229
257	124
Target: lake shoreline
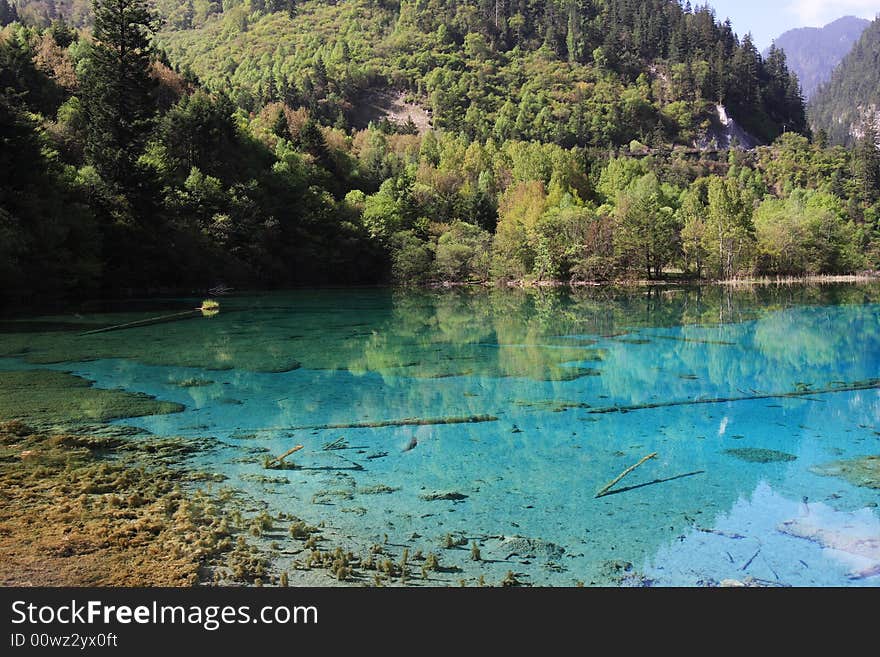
11	309
818	279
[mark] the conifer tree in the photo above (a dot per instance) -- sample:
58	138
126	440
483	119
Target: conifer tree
118	93
8	14
866	164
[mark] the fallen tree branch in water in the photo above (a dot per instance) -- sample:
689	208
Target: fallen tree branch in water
145	322
653	481
870	384
280	459
377	424
706	530
749	562
339	443
208	308
604	490
405	422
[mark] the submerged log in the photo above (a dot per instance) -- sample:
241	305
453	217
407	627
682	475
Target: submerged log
339	443
405	422
870	384
655	481
145	322
209	308
280	459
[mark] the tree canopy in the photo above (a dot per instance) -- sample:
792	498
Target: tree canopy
267	144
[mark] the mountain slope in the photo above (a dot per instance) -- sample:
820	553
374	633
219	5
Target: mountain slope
588	73
853	93
549	159
813	52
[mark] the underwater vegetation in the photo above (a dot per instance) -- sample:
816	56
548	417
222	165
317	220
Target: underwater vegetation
861	471
432	429
454	496
51	398
72	517
759	455
193	382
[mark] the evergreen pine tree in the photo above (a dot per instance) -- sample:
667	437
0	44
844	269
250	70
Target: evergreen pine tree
61	32
866	164
574	38
280	127
118	96
8	14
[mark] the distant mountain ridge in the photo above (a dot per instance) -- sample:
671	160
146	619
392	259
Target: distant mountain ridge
813	52
852	95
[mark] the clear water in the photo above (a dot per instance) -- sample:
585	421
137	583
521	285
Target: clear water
276	369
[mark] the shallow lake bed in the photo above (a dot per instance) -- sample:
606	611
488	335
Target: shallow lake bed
483	423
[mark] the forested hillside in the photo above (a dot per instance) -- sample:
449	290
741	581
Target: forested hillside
852	96
587	72
224	144
813	52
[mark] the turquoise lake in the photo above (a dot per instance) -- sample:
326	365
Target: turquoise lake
495	416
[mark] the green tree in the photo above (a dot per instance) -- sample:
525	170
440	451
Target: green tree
117	90
566	244
619	174
382	215
729	231
463	253
806	234
520	209
647	234
199	132
866	164
410	258
48	242
692	219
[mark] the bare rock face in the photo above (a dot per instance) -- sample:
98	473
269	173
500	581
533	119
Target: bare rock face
378	104
869	114
725	132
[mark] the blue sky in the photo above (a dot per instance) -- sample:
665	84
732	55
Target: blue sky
767	19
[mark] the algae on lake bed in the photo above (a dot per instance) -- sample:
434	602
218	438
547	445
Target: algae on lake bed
93	507
860	471
48	397
72	518
759	455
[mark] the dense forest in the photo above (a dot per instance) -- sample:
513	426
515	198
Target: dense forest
563	140
851	98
